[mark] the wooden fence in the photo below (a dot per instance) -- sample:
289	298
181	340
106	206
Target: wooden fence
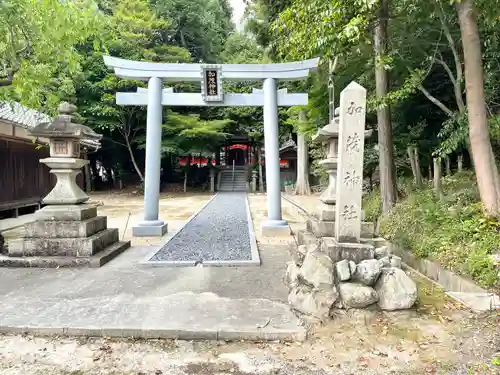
23	179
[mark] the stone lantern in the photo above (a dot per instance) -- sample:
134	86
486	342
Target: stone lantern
64	161
66	232
324	222
323	225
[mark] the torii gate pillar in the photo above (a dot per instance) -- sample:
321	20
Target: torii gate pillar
274	225
152	225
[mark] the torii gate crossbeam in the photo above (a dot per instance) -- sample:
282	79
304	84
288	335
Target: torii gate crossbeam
211	76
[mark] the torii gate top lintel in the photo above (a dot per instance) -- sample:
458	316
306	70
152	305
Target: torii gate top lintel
290	71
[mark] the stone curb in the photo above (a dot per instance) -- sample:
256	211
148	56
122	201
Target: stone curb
260	334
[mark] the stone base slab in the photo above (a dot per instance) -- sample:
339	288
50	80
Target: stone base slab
326	212
72	247
350	251
66	229
75	212
150	230
271	229
327	228
305	237
93	261
183	316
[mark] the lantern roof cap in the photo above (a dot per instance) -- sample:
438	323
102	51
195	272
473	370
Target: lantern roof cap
64	127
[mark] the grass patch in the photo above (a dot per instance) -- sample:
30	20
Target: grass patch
454	232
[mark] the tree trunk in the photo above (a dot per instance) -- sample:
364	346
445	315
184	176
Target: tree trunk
411	156
87	175
420	180
134	162
259	160
386	160
482	153
185	180
438	186
460	162
430	172
448	166
302	185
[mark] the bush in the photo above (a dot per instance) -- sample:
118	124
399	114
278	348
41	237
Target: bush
372	205
454	232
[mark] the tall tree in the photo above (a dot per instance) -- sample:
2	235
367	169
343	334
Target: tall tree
482	154
386	158
200	26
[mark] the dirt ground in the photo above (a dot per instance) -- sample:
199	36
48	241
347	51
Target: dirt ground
438	337
431	341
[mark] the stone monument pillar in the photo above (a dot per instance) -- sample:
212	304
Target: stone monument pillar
66	232
346	243
324	223
342	272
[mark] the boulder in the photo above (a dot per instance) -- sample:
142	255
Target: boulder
390	261
396	261
292	275
317	270
367	271
385	262
316	303
381	252
395	289
352	267
343	270
357	295
298	254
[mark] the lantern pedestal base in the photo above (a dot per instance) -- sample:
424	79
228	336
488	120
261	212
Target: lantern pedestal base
65	236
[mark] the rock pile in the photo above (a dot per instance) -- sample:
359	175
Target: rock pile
317	284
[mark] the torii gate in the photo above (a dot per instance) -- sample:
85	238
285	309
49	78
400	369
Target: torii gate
211	76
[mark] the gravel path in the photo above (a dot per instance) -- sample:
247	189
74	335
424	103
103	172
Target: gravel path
218	232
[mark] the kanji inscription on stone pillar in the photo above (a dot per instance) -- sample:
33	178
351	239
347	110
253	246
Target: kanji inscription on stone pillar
350	167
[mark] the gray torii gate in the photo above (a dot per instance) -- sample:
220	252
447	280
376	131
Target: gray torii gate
211	77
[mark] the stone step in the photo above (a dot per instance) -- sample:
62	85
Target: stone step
73	247
94	261
305	237
65	229
235	184
231	189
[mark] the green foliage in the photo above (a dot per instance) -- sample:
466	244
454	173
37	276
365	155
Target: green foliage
496	361
199	26
372	205
38	48
455	232
184	134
